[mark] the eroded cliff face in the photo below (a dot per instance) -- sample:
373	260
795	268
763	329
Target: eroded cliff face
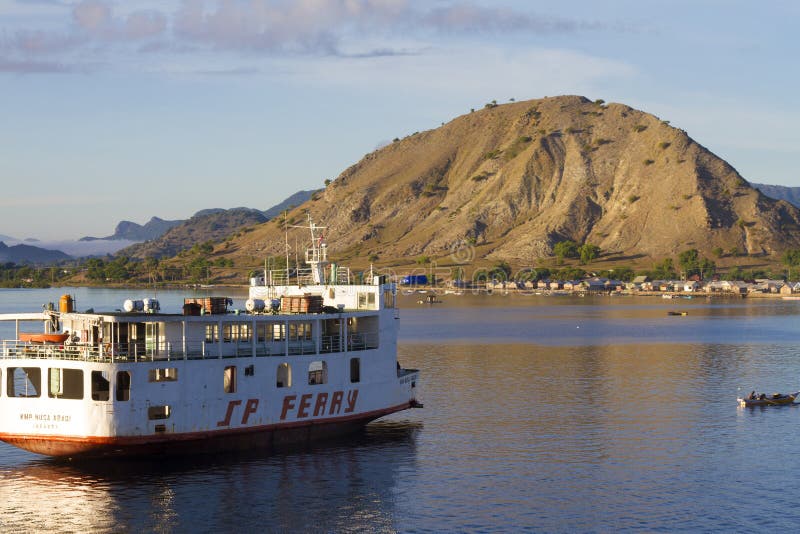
515	179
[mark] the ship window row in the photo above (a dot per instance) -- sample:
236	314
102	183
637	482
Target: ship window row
64	383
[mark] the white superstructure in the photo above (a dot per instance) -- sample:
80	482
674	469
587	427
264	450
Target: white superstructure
316	356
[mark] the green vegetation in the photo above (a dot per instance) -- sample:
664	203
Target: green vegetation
516	147
13	275
639	128
649	161
664	145
633	198
492	154
664	270
565	249
481	177
588	252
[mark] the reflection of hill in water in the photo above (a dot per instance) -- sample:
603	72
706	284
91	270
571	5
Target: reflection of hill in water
340	485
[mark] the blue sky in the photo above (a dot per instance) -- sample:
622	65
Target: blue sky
116	111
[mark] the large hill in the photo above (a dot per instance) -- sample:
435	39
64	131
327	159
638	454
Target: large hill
510	181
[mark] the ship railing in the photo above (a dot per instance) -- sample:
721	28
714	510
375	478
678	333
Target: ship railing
330	344
362	341
287	277
302	347
17	350
167	351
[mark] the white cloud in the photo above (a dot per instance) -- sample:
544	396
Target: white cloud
271	28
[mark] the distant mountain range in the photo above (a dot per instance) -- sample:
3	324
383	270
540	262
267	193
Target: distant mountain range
131	231
209	224
30	254
781	192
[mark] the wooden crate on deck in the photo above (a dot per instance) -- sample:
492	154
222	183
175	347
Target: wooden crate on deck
304	304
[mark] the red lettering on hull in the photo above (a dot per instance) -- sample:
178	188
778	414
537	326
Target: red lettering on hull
305	404
288	404
231	405
249	408
338	404
319	407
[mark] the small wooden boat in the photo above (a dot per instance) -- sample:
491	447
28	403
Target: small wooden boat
678	313
776	399
42	338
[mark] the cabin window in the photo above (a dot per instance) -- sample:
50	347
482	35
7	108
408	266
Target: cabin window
245	333
299	331
155	413
227	332
317	373
229	381
355	370
271	332
169	374
366	301
388	298
284	375
100	386
278	332
212	333
123	385
261	333
23	382
65	383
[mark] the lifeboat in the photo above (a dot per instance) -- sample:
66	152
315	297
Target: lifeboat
42	338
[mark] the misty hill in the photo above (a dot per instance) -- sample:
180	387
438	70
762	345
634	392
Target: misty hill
132	231
213	226
510	181
22	254
780	192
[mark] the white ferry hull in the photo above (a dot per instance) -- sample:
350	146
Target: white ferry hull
261	438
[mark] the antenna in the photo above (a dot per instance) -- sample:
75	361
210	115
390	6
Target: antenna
286	243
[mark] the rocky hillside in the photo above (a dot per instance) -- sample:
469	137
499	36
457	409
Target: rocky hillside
510	181
213	226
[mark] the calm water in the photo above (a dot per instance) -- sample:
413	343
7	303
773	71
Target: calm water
541	414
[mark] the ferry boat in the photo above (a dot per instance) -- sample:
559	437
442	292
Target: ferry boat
314	355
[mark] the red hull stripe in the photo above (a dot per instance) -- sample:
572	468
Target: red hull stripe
75	445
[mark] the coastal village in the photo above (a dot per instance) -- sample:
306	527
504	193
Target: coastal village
640	285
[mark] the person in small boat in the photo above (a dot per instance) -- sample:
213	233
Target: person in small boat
752	395
762	396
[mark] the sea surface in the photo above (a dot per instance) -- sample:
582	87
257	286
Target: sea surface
544	414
